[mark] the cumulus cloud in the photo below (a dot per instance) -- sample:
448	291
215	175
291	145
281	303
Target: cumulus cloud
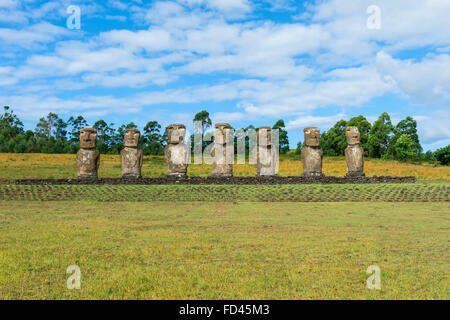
307	121
426	81
263	68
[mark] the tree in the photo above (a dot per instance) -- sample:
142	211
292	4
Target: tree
76	125
105	134
45	126
152	131
152	138
404	148
408	127
203	117
380	136
10	124
283	136
298	151
334	141
443	155
60	129
429	156
104	131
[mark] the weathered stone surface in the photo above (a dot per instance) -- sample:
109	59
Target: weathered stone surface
176	152
88	158
266	157
222	152
264	136
131	155
312	153
354	153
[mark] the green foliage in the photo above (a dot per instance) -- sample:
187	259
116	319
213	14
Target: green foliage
443	155
10	125
76	124
404	148
298	150
203	117
152	139
407	127
283	136
333	141
53	135
380	136
429	156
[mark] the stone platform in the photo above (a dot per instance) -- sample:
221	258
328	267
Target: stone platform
272	180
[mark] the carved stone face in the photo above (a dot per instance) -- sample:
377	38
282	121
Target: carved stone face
353	135
176	133
264	136
88	138
312	136
222	133
131	139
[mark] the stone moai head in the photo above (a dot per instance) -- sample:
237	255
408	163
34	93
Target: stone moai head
223	133
176	133
88	138
312	136
264	136
131	138
353	135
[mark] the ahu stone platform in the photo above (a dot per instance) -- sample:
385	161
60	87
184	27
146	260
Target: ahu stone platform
211	180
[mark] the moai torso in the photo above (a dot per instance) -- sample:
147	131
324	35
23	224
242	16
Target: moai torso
265	157
222	152
88	158
354	153
312	153
131	155
176	152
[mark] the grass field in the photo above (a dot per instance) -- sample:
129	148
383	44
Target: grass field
224	251
222	242
41	166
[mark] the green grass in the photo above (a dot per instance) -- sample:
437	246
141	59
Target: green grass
192	250
222	242
430	192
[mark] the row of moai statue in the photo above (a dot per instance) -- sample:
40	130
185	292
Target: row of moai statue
177	153
312	153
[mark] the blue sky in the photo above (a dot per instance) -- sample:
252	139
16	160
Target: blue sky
310	63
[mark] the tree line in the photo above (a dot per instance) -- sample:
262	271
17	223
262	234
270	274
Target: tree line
381	139
54	135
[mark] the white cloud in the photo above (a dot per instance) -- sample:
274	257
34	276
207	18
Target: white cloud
314	121
434	129
263	68
117	4
426	82
118	18
41	33
8	4
228	117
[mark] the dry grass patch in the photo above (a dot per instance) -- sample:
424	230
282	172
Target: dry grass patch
47	166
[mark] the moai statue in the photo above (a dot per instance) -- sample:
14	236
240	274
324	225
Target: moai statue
354	153
131	155
88	158
265	156
177	153
222	152
312	153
